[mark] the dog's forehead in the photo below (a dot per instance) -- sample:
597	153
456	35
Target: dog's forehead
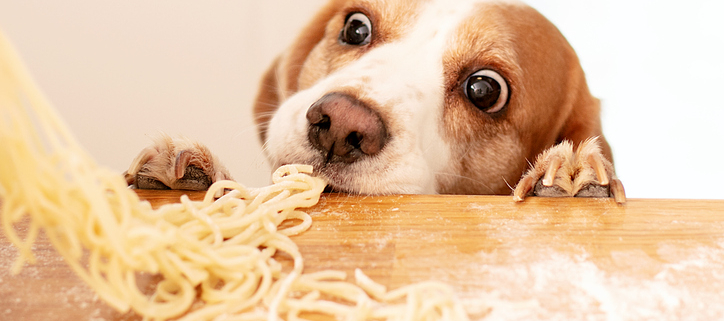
424	16
451	28
454	12
434	17
469	26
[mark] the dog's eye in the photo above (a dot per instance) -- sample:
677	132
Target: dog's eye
487	90
357	30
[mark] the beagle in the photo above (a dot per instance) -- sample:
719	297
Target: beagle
410	96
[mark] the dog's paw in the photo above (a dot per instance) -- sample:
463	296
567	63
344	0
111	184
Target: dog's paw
175	164
562	172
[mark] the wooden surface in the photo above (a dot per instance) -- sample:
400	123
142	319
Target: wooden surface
566	259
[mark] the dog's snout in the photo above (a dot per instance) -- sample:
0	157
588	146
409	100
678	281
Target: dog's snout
344	128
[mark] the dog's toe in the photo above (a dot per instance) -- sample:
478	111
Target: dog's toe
550	175
148	182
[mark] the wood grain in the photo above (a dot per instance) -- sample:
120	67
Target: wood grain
542	259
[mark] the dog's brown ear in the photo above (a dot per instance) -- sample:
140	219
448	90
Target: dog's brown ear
282	78
584	121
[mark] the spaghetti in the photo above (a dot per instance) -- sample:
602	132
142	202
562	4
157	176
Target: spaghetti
219	252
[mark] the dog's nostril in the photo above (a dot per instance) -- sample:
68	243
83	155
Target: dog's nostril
345	129
325	123
315	115
322	121
355	140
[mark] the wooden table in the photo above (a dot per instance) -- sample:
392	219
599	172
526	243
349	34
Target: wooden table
566	259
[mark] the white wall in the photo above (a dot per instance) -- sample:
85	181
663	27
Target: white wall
657	66
120	71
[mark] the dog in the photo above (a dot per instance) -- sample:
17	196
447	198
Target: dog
409	96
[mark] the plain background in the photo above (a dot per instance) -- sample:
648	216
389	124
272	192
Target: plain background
123	71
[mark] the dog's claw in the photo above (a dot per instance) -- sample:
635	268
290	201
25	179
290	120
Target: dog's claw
142	158
618	192
523	188
183	159
551	171
596	161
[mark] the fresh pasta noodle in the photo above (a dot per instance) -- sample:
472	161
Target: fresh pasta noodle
215	258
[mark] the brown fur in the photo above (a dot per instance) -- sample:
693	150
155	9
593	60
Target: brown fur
547	106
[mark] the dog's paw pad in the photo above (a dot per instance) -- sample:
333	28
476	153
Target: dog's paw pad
549	191
141	181
593	190
194	178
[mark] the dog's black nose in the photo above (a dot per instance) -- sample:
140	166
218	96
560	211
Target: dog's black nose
344	128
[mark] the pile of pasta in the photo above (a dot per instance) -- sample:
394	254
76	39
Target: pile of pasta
215	259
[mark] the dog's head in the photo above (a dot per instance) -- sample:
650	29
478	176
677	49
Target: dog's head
410	96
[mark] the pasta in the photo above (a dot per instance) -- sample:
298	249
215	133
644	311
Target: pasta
215	258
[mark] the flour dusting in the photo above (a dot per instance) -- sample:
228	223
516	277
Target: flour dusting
552	285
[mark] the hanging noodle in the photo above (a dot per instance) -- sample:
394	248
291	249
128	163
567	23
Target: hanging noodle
220	252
